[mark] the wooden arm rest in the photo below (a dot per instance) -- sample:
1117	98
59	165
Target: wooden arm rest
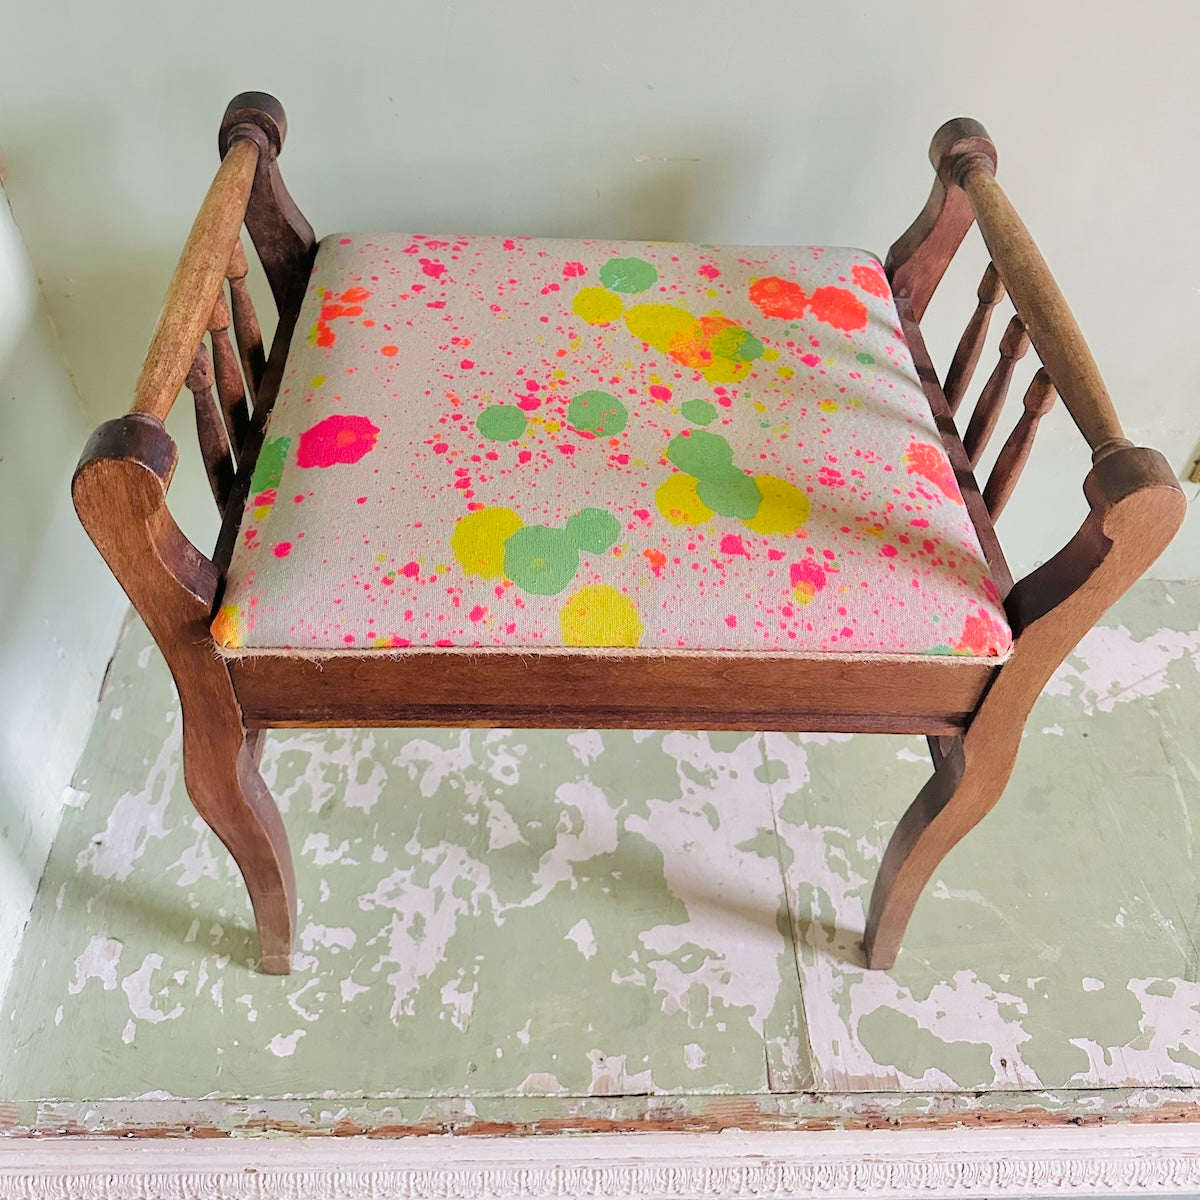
197	282
1035	295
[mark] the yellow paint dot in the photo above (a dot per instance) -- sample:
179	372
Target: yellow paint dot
828	406
803	593
784	508
660	324
786	372
553	426
317	380
478	540
227	627
677	501
261	511
599	615
597	306
770	354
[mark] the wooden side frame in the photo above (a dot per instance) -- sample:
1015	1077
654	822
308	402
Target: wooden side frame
972	710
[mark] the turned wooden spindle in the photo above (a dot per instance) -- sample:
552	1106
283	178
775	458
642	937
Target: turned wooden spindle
210	426
970	345
1039	400
231	388
1013	346
245	322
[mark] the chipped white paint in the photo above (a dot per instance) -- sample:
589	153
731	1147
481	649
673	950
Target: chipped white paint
610	1078
138	989
284	1045
459	1002
587	826
1092	985
731	893
694	1056
135	818
340	937
100	959
581	934
540	1083
1118	668
425	908
588	745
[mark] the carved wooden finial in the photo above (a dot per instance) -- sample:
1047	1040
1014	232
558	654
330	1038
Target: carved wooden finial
251	111
958	144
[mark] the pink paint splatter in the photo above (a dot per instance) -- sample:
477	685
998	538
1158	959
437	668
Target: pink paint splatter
337	439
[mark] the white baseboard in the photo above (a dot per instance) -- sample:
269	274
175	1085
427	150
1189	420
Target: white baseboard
1097	1160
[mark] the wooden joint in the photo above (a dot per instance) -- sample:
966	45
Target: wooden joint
238	267
120	489
256	116
959	146
200	375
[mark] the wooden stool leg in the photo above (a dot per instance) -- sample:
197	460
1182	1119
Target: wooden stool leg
119	490
219	766
970	775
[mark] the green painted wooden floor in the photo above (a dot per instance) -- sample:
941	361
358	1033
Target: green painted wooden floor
529	926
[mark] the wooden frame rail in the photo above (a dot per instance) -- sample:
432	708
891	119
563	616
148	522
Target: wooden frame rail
973	711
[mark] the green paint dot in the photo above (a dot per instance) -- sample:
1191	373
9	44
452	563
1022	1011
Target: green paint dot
593	529
736	344
701	453
501	423
699	411
866	359
598	413
268	470
540	560
730	493
628	275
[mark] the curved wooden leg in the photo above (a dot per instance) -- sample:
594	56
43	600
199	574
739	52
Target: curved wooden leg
221	772
120	489
970	774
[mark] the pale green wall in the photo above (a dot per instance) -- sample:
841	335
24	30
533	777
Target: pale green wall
59	610
772	120
767	121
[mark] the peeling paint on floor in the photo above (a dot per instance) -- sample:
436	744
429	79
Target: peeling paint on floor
513	922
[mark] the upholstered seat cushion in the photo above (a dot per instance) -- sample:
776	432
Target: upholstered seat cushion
534	445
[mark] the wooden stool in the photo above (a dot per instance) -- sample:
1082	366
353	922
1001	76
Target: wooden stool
549	483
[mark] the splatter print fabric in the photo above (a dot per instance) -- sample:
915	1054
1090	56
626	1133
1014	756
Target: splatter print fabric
539	444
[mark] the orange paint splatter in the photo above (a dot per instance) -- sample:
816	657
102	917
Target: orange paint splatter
840	308
656	560
333	308
775	297
930	463
389	351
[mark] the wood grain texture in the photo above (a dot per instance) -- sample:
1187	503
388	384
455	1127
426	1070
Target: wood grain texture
284	240
246	329
1039	400
593	691
970	346
198	279
1036	296
119	489
1013	347
918	259
1136	507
